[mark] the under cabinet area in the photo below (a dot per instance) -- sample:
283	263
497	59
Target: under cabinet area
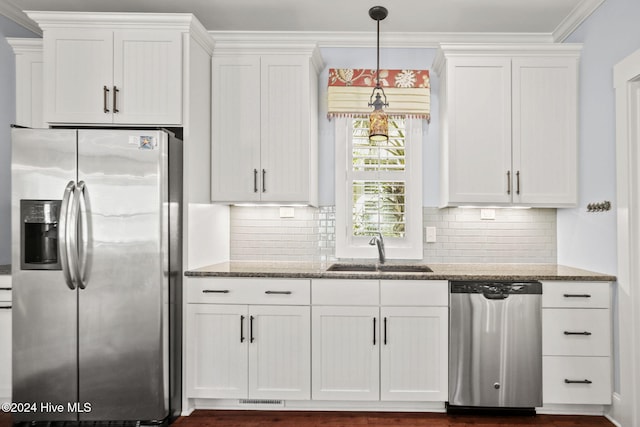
379	340
576	343
509	124
264	125
110	68
248	339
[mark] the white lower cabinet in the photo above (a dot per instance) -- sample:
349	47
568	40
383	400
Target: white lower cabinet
5	339
346	353
413	359
576	343
364	349
248	351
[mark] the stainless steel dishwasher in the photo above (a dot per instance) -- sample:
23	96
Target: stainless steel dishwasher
495	345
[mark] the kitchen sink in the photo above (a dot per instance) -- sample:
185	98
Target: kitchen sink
405	268
385	268
352	267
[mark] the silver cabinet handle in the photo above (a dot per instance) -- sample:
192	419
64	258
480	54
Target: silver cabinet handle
264	182
567	381
278	292
115	99
518	182
586	333
105	98
215	291
255	180
63	234
508	182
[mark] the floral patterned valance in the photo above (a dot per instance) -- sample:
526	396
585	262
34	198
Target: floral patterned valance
408	92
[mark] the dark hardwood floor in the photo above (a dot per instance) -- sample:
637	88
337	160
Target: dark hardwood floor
367	419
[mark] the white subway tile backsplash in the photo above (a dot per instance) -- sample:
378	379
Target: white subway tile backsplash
514	236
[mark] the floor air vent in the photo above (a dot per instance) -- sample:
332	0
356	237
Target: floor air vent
261	403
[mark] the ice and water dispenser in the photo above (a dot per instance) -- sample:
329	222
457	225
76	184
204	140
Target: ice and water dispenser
39	234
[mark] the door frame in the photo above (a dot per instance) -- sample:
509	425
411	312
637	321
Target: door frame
627	92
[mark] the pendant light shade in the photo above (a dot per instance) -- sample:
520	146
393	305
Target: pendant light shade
378	119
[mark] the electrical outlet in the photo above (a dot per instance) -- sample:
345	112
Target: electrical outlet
287	212
487	214
430	234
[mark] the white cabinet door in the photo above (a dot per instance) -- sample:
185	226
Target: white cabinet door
147	77
5	351
478	122
217	340
279	352
235	149
285	125
413	361
78	72
545	130
29	82
346	355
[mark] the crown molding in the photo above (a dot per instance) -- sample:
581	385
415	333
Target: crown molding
368	39
177	21
25	45
576	17
12	12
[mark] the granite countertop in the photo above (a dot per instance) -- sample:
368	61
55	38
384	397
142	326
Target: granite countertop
440	272
5	269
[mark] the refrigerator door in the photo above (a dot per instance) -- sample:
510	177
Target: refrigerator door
123	339
44	305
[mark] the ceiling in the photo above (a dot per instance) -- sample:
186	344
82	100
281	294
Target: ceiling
548	17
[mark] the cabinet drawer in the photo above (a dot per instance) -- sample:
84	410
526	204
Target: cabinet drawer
594	374
576	332
414	292
248	291
576	294
344	292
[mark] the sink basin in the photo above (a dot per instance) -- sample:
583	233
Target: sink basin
351	267
405	268
387	268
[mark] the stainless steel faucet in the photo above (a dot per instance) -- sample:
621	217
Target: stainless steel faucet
379	242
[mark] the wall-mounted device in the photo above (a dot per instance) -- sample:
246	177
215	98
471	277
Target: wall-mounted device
39	234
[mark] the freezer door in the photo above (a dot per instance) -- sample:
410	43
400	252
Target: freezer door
44	307
123	337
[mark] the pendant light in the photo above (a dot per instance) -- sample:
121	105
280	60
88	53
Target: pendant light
378	119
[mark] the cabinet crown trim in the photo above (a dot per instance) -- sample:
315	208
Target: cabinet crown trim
260	47
114	20
451	50
25	45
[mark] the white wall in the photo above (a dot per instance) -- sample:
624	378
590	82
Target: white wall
8	28
588	240
417	59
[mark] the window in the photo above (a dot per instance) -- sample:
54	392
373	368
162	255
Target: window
378	189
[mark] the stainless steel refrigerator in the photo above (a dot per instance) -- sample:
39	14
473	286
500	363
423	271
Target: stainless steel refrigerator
96	265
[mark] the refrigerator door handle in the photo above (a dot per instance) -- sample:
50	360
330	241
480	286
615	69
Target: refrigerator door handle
63	235
85	252
72	231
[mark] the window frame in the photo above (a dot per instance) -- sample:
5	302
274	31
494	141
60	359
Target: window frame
349	246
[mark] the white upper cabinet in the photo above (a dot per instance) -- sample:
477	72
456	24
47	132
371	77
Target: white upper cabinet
29	74
264	124
508	124
112	68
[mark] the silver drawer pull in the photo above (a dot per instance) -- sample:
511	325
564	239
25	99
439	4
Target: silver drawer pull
278	292
215	291
566	381
577	296
577	333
